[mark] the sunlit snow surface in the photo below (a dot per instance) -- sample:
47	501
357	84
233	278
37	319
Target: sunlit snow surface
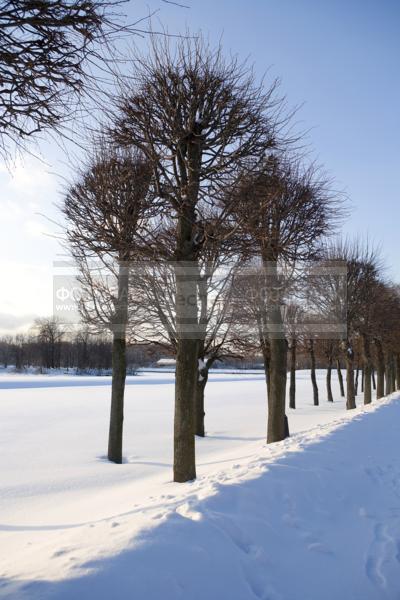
314	517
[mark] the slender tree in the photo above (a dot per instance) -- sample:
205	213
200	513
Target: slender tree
49	335
293	316
311	350
108	211
284	209
328	348
340	377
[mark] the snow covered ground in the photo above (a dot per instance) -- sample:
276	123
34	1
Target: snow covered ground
314	517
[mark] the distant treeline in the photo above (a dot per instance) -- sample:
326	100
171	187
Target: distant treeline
49	346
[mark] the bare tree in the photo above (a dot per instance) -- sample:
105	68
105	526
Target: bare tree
284	209
340	377
6	342
311	350
108	212
293	316
366	326
362	268
197	117
330	350
49	335
385	315
155	299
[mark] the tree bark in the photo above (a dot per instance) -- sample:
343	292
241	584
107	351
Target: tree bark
397	386
292	388
373	379
392	374
199	409
266	352
380	370
118	367
187	279
350	397
203	364
356	381
367	370
201	383
367	384
388	375
186	372
329	380
313	376
277	428
340	378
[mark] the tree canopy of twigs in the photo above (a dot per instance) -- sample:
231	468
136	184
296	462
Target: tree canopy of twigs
47	51
188	97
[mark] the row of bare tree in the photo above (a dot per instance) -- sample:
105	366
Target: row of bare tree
49	346
196	224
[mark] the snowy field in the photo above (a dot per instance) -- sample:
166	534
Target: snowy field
316	517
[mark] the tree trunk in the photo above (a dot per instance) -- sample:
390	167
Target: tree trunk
292	388
350	397
356	381
362	380
367	370
387	377
380	370
201	383
267	360
117	399
373	379
199	409
187	278
118	367
367	384
277	428
202	363
392	374
313	376
186	371
397	386
329	380
340	378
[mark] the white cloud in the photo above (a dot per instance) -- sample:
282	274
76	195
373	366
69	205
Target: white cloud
10	323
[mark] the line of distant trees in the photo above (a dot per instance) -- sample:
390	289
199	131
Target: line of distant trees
50	346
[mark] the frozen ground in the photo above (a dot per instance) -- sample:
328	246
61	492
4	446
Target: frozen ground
314	517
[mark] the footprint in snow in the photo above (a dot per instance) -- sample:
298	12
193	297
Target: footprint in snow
318	547
60	552
189	513
378	555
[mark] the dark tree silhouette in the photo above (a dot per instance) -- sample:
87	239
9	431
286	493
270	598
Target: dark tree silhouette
107	213
284	209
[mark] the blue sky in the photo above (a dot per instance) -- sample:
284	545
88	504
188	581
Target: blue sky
338	61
